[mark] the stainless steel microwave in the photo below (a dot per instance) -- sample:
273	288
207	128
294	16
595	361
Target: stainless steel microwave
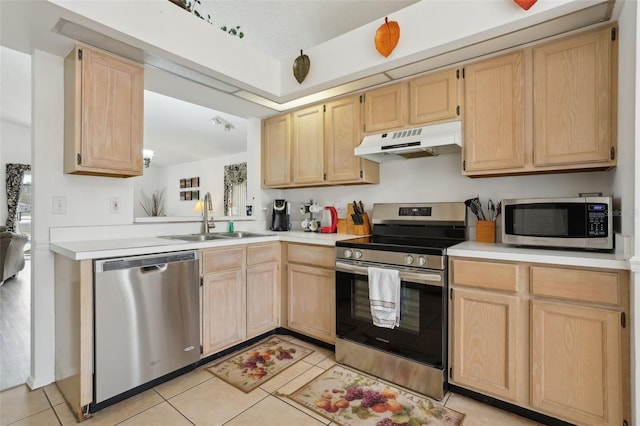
573	223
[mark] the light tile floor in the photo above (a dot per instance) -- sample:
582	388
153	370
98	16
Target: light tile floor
199	398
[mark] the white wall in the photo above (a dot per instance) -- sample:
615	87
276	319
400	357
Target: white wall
15	147
211	174
87	198
432	179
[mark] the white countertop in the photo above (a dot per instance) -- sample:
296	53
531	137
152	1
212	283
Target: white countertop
98	249
500	251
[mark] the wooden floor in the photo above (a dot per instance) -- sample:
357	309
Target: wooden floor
15	329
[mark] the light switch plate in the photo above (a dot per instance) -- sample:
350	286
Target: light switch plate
59	204
115	205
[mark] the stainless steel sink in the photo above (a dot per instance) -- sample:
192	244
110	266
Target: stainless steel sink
216	236
196	237
242	234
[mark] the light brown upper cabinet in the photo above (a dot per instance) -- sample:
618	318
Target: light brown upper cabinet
574	94
342	134
317	144
276	151
385	108
103	114
546	108
308	146
434	98
494	114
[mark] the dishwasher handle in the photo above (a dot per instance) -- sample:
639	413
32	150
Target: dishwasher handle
146	261
161	267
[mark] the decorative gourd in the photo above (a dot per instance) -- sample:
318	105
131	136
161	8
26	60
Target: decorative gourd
387	37
301	67
525	4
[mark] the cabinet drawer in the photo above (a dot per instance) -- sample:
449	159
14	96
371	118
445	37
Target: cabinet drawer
311	255
492	275
585	286
222	259
261	253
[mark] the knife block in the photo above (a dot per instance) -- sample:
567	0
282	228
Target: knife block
353	228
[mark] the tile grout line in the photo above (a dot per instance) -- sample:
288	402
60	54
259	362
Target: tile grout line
267	395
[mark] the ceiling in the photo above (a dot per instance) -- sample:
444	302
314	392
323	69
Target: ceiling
179	131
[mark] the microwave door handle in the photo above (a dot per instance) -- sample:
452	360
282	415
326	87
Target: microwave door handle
427	278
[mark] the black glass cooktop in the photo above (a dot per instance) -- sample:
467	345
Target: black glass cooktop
400	244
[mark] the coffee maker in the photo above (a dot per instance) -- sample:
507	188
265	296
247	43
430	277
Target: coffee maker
280	218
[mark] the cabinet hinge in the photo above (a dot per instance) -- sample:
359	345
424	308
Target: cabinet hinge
361	99
80	54
458	110
623	320
324	176
361	174
78	159
324	108
201	350
612	153
451	372
613	34
201	281
462	72
464	165
458	74
625	423
451	293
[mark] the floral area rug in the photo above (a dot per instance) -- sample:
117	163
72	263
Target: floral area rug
350	398
261	362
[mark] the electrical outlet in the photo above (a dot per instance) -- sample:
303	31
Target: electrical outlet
59	205
115	205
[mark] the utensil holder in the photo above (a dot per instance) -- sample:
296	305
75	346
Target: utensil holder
486	231
356	229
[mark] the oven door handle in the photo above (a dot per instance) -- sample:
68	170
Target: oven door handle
414	277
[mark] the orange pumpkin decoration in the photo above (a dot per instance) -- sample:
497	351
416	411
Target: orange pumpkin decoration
387	37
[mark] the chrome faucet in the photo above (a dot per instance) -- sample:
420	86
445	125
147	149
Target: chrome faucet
207	205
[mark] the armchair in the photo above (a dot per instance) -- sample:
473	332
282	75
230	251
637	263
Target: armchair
11	253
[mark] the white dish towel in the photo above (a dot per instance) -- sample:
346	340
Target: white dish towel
384	296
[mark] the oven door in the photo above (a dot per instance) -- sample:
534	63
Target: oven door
421	335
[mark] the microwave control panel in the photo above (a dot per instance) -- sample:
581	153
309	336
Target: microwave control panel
597	220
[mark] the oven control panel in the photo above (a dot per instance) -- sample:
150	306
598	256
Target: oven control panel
414	211
391	258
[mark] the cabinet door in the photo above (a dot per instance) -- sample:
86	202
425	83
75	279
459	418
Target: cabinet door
486	346
385	108
308	145
223	310
262	298
311	297
341	136
276	151
576	363
494	114
103	114
434	98
573	91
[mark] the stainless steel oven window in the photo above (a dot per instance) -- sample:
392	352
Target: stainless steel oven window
409	305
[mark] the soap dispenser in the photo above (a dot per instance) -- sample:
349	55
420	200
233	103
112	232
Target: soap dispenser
230	227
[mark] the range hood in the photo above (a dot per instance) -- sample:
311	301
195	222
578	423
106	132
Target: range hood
425	141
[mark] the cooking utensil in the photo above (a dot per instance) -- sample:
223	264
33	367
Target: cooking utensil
480	214
491	210
472	206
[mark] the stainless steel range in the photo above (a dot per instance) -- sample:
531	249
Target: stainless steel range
413	239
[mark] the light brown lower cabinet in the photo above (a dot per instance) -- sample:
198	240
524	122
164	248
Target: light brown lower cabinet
263	288
486	341
549	338
311	306
240	294
223	298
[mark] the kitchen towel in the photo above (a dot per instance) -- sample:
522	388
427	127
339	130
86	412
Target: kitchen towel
384	296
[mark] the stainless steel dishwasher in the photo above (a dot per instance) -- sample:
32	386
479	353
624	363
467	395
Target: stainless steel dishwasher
146	319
